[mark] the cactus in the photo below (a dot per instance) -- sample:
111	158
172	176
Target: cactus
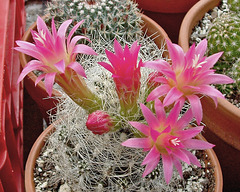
234	5
224	35
102	18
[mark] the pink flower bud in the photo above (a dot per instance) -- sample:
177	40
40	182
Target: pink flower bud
99	122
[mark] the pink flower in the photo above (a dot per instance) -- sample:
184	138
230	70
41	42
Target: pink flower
55	53
168	137
99	122
188	76
125	71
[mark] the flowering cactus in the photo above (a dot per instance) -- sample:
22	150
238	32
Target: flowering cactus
56	58
188	76
168	137
99	122
126	74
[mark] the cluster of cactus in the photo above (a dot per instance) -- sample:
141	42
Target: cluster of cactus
224	35
103	18
234	5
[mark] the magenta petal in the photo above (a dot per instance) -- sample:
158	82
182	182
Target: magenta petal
218	79
178	166
77	68
160	111
151	166
196	107
31	66
158	92
28	49
141	127
201	48
107	66
81	48
174	114
176	54
173	95
158	65
149	116
151	156
39	78
167	167
189	133
118	49
137	143
49	80
73	30
181	155
192	158
63	28
184	120
73	42
197	144
211	60
210	91
60	66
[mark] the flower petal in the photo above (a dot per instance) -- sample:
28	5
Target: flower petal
73	31
49	80
184	120
180	155
31	66
189	133
218	79
160	112
193	159
174	114
173	95
39	78
196	107
151	166
84	49
151	156
149	116
176	54
137	143
211	60
197	144
60	66
167	167
77	68
107	66
178	166
201	48
158	92
141	127
63	28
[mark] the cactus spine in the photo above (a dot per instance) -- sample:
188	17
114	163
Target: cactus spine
104	18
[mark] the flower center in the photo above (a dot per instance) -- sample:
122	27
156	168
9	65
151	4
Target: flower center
175	142
196	63
41	37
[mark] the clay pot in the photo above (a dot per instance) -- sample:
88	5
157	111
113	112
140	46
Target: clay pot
167	13
39	143
38	92
223	122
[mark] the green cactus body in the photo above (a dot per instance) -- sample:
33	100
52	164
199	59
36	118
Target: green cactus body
104	18
234	5
224	35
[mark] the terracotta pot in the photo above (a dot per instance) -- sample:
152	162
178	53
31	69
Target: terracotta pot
167	13
38	92
223	122
36	149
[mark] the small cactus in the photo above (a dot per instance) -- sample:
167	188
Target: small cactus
234	5
103	18
224	35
